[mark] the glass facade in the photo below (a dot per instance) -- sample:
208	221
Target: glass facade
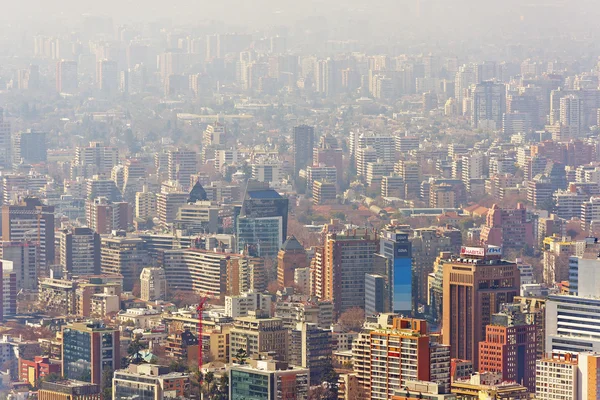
134	387
263	236
77	355
249	386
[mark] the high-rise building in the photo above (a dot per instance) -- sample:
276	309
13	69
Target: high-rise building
9	291
262	224
66	77
509	347
557	377
426	245
145	204
88	350
304	141
214	135
105	216
339	268
203	272
391	354
268	380
107	76
123	255
98	157
181	164
168	202
397	249
258	334
507	228
489	105
475	284
571	117
30	147
310	347
30	220
79	251
153	284
22	258
5	141
376	294
291	256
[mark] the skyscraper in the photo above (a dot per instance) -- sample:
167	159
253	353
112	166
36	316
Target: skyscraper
341	267
66	76
5	141
475	284
489	104
397	249
32	220
304	141
79	251
262	223
31	147
88	350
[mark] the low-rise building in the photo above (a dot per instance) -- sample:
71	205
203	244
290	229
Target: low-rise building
149	381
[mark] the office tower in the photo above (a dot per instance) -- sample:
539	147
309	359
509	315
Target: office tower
509	347
30	147
561	334
79	251
475	284
396	248
23	258
70	389
88	350
508	228
9	291
200	217
123	255
426	245
104	216
339	268
168	202
268	380
100	158
30	220
215	134
66	77
267	170
304	141
153	284
181	164
310	347
516	123
155	381
557	377
571	117
291	256
201	271
489	105
262	223
258	334
5	142
376	294
107	76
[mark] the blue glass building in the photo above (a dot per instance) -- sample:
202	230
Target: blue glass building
397	249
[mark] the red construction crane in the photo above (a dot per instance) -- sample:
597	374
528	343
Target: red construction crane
199	310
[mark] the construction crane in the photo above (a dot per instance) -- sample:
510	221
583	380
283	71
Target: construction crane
199	310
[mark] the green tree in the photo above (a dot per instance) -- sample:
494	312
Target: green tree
241	356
